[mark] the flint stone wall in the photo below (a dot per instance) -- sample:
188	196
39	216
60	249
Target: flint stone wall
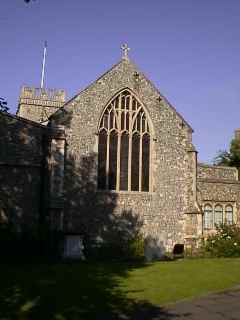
21	156
38	104
216	172
219	185
162	211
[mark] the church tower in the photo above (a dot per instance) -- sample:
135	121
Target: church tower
38	104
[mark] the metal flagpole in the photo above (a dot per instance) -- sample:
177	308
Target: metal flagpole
43	64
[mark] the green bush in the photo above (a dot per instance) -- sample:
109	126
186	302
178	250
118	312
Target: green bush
135	247
123	249
119	239
225	243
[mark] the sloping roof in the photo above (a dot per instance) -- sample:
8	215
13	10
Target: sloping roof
86	88
27	121
157	90
108	71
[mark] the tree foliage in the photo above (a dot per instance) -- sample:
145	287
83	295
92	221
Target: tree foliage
229	158
3	105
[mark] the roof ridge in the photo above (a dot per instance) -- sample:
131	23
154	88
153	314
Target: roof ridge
130	61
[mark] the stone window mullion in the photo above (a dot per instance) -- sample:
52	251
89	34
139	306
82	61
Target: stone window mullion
130	145
224	213
107	161
141	152
118	161
125	119
126	153
150	166
130	162
140	164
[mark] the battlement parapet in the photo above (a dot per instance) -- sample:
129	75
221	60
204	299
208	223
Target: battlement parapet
42	97
42	93
38	104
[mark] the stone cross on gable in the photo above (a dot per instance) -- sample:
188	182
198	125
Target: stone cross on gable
125	50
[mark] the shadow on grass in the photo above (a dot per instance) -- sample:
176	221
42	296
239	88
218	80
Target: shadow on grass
71	291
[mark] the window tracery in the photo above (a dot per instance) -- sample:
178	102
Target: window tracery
124	149
217	214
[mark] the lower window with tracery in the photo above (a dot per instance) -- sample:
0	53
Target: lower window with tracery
124	146
217	214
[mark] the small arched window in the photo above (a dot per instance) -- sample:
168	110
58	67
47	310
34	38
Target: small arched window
124	147
229	214
218	215
208	217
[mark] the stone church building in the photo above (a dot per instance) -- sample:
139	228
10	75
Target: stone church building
117	152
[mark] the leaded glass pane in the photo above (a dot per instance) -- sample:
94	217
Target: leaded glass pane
113	160
145	162
111	120
122	120
127	121
135	162
218	215
208	217
124	162
121	156
105	121
143	125
229	214
102	152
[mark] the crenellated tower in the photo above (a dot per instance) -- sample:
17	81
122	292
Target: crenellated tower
38	104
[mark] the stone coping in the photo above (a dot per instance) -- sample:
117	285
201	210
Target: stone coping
205	165
123	192
222	181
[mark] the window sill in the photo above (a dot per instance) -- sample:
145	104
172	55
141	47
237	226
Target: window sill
126	192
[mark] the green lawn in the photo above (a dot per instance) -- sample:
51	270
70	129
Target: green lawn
105	290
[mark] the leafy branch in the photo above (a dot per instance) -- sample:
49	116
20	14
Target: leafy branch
229	158
3	105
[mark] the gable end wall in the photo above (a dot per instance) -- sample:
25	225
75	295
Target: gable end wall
162	211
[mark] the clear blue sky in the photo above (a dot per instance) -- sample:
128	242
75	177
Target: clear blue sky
189	49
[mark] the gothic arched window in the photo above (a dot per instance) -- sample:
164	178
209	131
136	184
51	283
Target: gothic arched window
124	146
